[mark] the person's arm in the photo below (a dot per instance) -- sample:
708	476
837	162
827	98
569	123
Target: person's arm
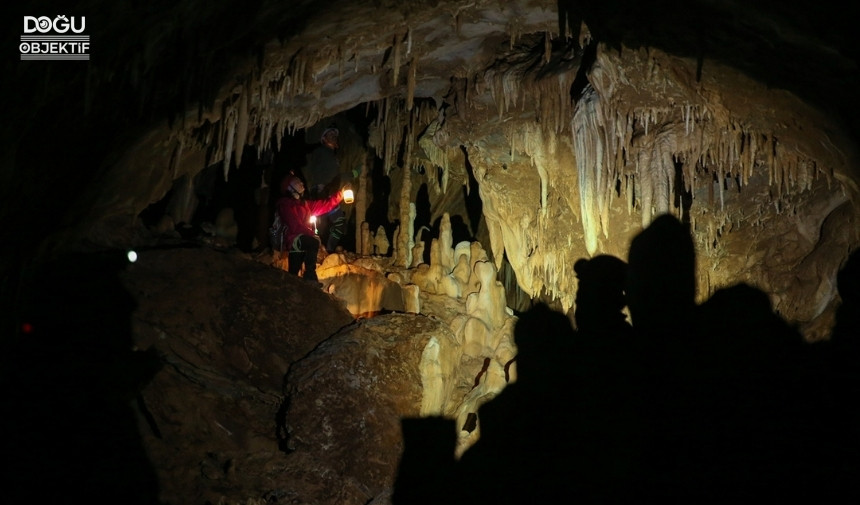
319	207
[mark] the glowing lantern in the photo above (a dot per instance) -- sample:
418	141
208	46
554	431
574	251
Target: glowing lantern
348	196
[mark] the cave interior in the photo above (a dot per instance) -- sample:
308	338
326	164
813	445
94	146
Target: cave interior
551	133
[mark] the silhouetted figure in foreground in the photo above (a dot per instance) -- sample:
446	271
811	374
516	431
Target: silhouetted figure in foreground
526	445
718	403
661	296
846	332
604	388
69	383
753	389
425	471
843	362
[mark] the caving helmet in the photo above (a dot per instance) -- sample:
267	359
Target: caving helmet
293	186
330	132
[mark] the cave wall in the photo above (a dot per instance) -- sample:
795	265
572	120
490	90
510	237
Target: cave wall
576	132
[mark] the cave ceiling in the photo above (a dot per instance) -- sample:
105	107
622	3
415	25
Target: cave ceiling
576	122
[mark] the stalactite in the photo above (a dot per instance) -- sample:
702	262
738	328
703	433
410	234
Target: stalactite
646	187
410	82
721	181
792	172
585	137
687	119
408	41
544	185
177	155
770	145
510	89
584	34
228	140
547	47
630	182
278	135
242	123
409	141
396	61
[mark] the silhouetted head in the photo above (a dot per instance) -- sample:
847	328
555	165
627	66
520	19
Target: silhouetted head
540	335
661	274
738	305
329	137
600	294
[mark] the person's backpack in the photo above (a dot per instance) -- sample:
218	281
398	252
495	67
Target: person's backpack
277	233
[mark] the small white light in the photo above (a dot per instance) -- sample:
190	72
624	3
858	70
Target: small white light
348	196
313	220
132	256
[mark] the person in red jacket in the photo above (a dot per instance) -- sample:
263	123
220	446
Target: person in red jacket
296	212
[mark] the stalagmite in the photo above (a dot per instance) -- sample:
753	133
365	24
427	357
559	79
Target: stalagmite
360	208
366	239
411	298
462	273
403	246
478	338
446	244
380	242
489	303
464	249
417	253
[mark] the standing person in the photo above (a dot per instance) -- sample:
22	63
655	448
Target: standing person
295	213
325	178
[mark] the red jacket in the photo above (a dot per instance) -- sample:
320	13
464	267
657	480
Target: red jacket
296	214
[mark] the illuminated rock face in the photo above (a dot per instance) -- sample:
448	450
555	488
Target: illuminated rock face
468	363
575	138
